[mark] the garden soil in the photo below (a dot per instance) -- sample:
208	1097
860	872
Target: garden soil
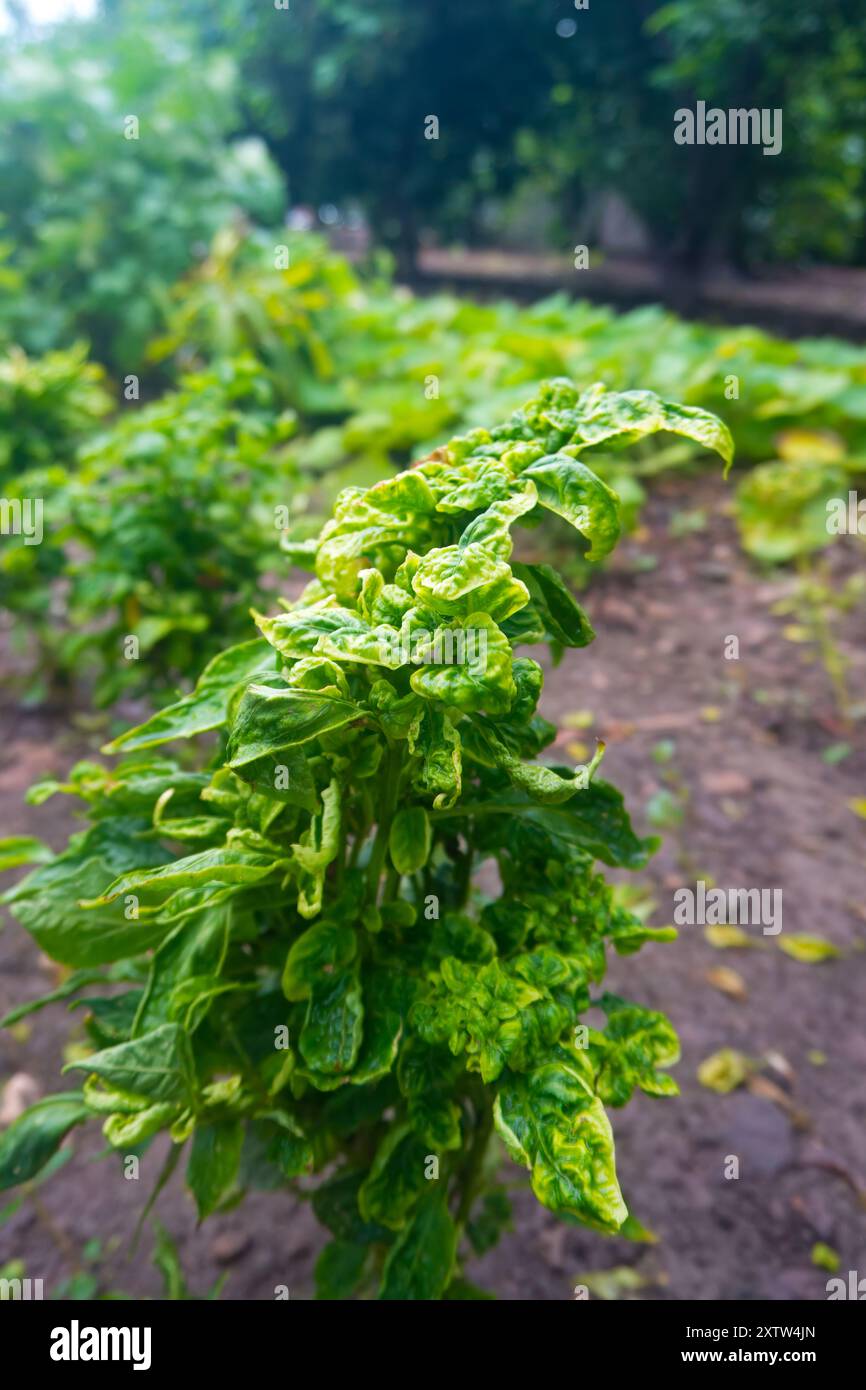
730	754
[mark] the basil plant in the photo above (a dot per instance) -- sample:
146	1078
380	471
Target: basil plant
310	990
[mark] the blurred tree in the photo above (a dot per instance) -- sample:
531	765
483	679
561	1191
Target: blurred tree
115	172
580	99
410	109
628	68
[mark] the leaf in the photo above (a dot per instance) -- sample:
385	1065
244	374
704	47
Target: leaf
271	720
811	950
481	677
551	1122
23	849
188	952
32	1139
232	864
421	1260
566	486
825	1257
623	417
331	1036
725	1070
594	820
213	1164
611	1284
340	1269
562	617
206	708
319	953
157	1065
725	937
79	979
410	839
396	1178
729	982
48	902
335	1203
634	1044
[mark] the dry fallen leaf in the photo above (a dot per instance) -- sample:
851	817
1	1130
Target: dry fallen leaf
726	782
727	981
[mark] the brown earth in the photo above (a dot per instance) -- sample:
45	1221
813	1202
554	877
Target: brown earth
760	808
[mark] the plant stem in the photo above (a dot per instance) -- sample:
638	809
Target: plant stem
393	768
472	1175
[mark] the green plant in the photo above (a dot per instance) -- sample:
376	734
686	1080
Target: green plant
242	300
164	532
314	985
115	172
47	406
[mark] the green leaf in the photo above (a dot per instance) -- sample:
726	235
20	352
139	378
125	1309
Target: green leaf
206	708
594	820
32	1139
421	1261
48	902
331	1036
340	1269
396	1179
621	418
320	953
23	849
562	617
79	979
213	1164
335	1203
634	1044
410	839
481	680
158	1065
551	1122
566	486
270	720
186	954
232	864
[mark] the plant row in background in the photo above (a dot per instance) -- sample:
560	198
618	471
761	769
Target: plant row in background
293	381
313	987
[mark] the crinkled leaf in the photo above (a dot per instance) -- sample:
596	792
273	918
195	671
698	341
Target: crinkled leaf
32	1139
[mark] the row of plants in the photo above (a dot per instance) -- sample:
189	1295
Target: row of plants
310	991
292	381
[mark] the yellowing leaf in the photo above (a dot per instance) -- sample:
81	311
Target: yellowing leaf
578	719
825	1257
812	446
809	949
724	937
725	1070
